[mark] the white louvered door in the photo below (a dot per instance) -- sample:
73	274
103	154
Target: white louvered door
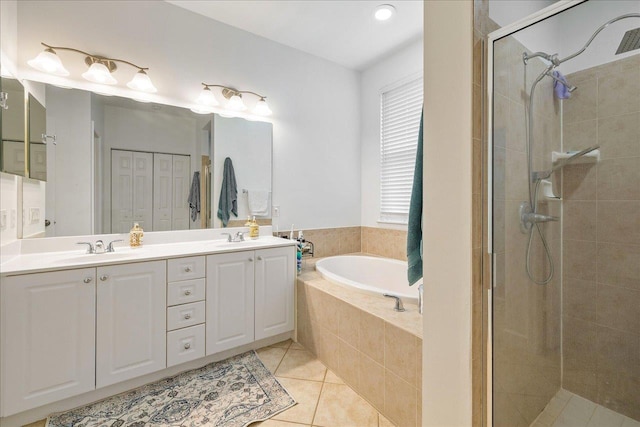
181	185
162	191
121	191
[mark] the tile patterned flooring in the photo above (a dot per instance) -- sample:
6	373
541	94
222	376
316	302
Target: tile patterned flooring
323	399
566	409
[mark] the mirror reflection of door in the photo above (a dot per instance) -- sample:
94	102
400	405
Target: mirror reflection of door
13	127
37	140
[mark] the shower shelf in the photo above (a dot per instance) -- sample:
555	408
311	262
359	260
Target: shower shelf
591	157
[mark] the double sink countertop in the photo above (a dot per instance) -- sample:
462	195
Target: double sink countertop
34	262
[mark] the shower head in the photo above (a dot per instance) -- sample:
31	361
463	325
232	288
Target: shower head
630	41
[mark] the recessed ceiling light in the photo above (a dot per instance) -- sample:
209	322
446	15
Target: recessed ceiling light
384	12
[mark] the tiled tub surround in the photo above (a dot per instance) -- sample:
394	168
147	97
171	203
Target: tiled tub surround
384	242
375	350
526	316
601	226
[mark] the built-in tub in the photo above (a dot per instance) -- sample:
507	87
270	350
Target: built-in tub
368	274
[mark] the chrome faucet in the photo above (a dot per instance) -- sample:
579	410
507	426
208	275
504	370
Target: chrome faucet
99	247
399	306
239	237
110	247
90	248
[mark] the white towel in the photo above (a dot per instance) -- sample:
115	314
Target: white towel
258	202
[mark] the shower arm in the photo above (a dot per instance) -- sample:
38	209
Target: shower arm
605	25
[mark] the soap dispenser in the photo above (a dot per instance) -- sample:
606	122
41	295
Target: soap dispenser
135	236
254	229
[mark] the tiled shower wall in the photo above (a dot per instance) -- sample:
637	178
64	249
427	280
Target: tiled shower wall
526	316
601	290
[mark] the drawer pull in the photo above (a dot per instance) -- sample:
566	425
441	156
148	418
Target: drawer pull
187	316
187	269
259	258
187	346
250	259
104	277
187	292
87	280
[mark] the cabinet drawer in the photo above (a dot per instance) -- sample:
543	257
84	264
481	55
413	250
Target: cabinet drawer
185	268
181	316
185	344
185	291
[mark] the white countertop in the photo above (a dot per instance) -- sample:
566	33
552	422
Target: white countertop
65	260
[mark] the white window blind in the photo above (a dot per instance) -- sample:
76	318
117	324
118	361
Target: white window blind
400	109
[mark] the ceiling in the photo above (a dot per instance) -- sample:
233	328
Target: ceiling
341	31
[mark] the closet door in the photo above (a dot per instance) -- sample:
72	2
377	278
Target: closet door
143	190
162	191
121	191
181	185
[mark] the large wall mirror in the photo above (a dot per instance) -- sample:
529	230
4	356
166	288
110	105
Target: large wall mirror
116	161
12	127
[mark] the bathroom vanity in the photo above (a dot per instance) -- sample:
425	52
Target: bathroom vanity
75	323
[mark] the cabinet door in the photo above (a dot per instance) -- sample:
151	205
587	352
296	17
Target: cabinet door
162	191
131	322
143	189
181	185
47	338
121	191
274	291
229	301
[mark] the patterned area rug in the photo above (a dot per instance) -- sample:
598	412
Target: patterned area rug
232	393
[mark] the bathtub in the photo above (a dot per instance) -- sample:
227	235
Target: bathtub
371	275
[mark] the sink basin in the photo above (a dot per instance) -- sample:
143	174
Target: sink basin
107	256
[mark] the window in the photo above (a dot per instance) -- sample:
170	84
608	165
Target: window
400	109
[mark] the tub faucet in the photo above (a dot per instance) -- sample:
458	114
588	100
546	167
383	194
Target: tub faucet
399	306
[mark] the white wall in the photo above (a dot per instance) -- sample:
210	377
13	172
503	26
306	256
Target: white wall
69	118
446	361
248	145
33	207
316	128
9	35
405	63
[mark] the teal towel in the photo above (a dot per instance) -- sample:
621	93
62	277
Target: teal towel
414	234
228	203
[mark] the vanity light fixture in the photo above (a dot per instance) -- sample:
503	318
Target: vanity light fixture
100	68
234	102
384	12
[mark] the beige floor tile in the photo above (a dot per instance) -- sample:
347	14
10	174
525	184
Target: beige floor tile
277	423
341	406
306	393
302	365
383	422
297	346
271	357
282	344
332	378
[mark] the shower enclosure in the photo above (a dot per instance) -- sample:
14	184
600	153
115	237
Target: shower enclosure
564	162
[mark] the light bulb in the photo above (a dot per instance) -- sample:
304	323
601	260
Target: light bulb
207	98
48	62
261	108
384	12
99	73
142	82
235	103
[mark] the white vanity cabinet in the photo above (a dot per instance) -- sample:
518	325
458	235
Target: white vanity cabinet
249	296
131	321
274	284
230	292
47	338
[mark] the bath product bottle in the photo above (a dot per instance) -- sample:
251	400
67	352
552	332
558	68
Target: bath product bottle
248	223
254	229
299	256
135	236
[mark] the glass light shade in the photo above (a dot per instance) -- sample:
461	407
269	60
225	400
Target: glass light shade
201	110
48	62
384	12
99	73
142	82
207	98
235	103
261	108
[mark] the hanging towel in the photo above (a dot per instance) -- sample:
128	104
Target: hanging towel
561	90
414	235
228	203
194	196
258	202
